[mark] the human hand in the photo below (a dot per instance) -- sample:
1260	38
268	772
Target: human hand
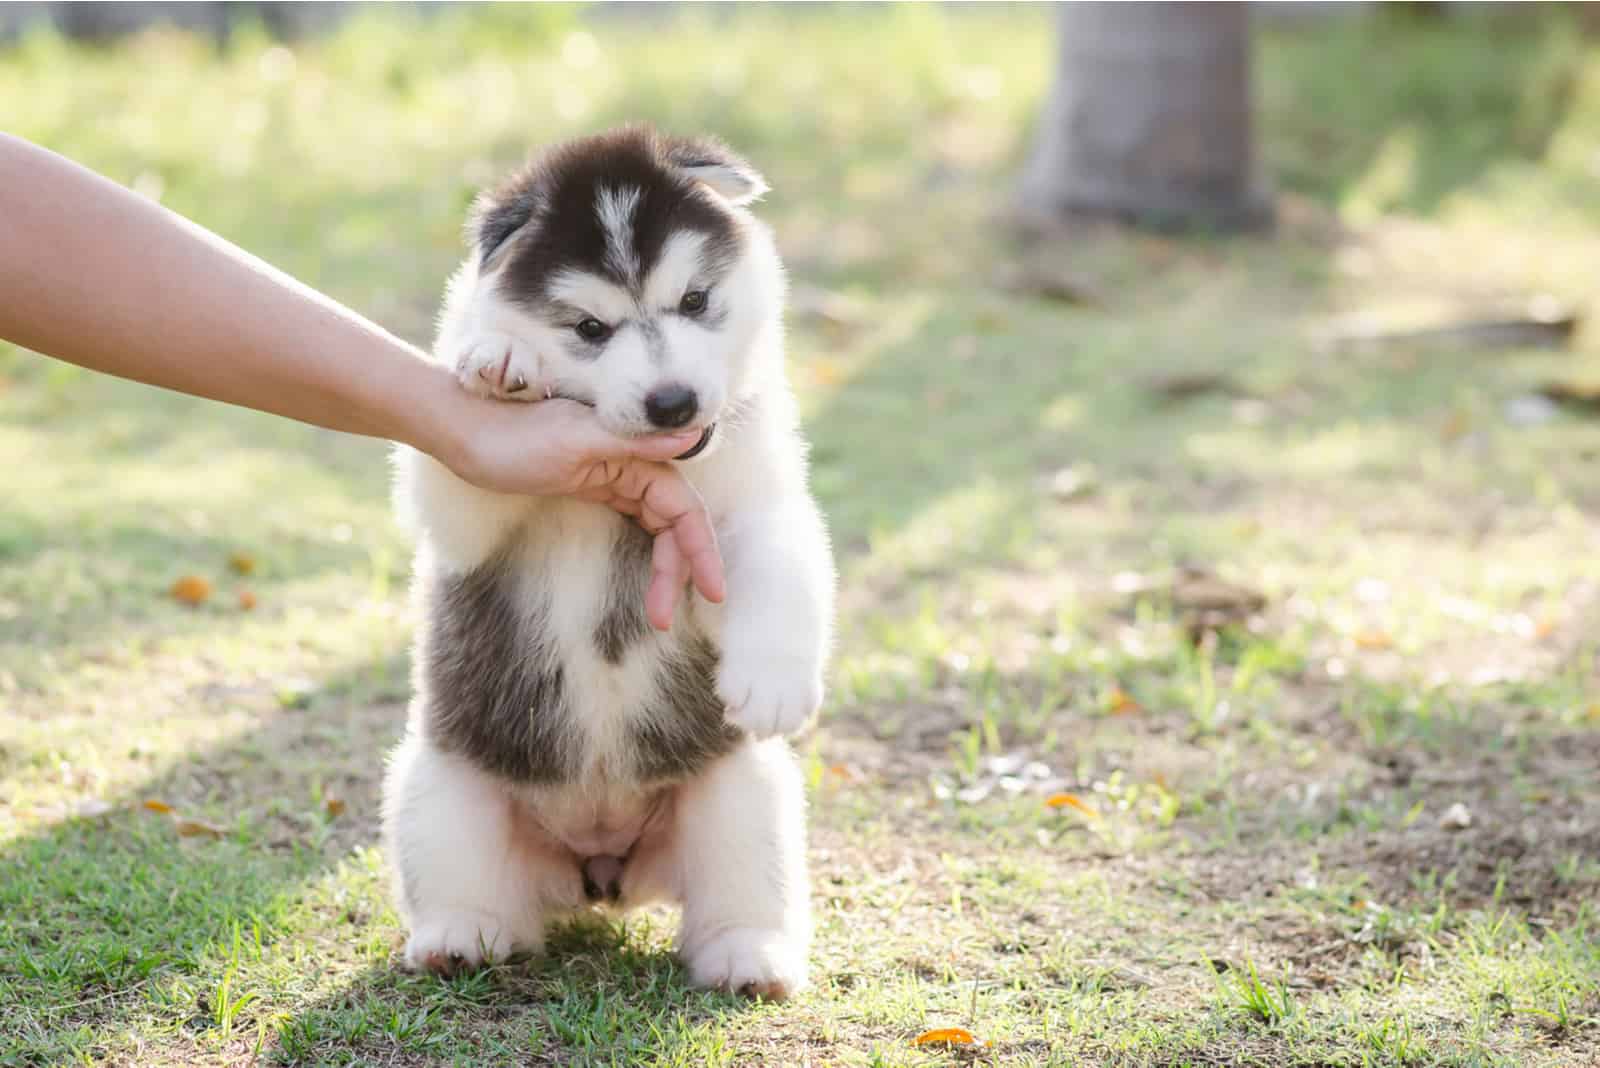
558	448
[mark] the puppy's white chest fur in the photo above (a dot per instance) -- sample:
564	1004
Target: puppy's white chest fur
585	569
538	663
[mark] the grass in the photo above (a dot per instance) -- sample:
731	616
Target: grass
1262	862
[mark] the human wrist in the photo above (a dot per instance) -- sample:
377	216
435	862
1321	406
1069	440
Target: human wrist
439	422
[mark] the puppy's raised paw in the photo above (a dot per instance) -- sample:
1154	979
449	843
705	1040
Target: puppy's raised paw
498	365
768	694
754	963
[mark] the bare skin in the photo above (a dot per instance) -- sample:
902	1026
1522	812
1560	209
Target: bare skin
95	275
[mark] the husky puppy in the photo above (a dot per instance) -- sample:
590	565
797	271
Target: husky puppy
560	752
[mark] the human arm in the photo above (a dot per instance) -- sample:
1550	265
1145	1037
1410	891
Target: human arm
95	275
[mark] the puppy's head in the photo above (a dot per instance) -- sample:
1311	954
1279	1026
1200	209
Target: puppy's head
629	262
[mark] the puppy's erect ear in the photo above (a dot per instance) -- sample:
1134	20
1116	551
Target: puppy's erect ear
495	220
719	168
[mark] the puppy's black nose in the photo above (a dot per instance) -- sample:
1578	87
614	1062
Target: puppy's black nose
671	406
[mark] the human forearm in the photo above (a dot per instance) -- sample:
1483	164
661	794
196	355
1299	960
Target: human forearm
98	276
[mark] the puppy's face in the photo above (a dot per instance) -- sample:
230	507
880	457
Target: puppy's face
629	264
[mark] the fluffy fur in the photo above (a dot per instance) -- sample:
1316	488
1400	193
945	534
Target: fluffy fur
561	754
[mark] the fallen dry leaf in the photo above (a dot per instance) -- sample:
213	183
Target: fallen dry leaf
1455	427
158	806
845	772
247	600
1206	603
946	1036
1197	590
1456	818
92	808
1071	801
1545	324
1374	639
1582	395
191	590
1182	385
242	563
197	828
1121	703
826	373
333	806
1047	283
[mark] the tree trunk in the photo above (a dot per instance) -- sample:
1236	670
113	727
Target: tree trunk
1149	119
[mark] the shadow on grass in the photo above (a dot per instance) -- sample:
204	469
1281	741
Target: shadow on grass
109	918
596	995
115	918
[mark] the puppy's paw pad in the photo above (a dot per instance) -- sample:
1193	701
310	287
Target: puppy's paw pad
753	963
453	943
499	365
769	695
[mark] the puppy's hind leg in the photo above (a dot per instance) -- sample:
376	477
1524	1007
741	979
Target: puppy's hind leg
472	883
739	838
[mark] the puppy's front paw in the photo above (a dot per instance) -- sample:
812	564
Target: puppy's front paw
764	964
768	693
498	365
449	943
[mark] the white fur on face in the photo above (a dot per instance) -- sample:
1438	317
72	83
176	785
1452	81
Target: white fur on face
592	295
652	344
679	270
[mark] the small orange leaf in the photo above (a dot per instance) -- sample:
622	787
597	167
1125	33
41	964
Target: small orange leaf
1121	703
242	563
1544	628
247	600
333	806
1592	714
157	806
826	373
196	829
946	1036
1374	639
191	590
1071	801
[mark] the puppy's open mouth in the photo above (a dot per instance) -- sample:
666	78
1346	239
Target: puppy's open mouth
700	446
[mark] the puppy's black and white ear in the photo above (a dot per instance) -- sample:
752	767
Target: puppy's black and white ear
496	220
719	168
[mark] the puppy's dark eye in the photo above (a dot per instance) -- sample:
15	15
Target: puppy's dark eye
593	330
693	302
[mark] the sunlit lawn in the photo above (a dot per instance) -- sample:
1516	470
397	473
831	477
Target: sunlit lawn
1254	855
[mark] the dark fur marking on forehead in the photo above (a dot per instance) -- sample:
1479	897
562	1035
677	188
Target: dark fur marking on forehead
491	680
689	727
565	183
624	623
